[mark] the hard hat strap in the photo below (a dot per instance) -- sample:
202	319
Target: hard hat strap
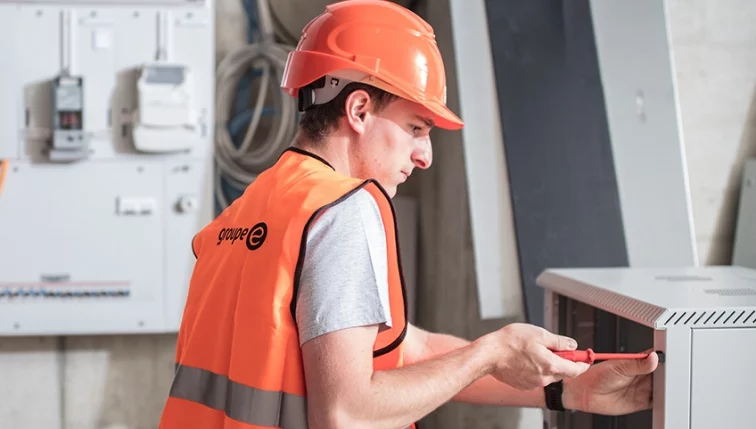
328	87
306	95
321	91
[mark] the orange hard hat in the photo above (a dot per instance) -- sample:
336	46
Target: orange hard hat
376	42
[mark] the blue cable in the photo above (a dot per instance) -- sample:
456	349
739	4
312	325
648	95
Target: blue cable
250	6
243	94
241	112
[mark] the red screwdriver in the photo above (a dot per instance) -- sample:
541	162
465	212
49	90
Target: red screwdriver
589	356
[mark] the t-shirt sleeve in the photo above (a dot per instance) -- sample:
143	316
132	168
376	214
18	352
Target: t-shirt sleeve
344	278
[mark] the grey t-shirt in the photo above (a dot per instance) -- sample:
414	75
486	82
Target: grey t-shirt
344	279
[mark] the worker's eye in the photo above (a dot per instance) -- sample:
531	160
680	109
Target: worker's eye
415	129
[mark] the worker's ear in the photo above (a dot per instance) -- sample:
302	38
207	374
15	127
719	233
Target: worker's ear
357	108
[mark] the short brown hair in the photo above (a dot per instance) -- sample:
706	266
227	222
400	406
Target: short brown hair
320	120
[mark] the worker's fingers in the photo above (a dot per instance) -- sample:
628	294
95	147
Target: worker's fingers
634	367
583	367
558	342
565	367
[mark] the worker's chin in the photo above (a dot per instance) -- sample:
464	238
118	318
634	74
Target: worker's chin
390	190
389	186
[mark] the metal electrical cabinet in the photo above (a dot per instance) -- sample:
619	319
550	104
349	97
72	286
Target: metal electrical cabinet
703	319
106	125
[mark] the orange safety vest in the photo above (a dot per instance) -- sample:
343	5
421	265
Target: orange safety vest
238	360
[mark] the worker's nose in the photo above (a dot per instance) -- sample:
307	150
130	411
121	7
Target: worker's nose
422	156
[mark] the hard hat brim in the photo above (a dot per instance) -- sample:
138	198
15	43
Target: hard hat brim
443	117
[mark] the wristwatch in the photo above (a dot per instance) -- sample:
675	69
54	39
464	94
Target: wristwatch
553	395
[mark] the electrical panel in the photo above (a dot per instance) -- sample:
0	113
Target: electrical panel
106	127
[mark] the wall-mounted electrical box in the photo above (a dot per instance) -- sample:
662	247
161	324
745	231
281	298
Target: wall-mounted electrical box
106	122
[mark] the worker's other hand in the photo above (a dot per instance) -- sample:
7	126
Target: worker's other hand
613	388
523	356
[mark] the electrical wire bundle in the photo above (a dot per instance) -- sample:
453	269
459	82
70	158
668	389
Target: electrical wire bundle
260	64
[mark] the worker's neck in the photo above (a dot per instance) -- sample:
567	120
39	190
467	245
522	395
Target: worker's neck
335	149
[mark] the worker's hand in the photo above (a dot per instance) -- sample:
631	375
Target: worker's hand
612	388
523	356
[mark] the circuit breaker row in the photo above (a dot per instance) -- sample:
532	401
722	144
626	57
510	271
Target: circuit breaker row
57	293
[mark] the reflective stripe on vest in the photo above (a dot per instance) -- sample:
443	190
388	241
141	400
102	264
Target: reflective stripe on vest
242	403
239	402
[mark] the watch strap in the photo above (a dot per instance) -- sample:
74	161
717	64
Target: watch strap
553	395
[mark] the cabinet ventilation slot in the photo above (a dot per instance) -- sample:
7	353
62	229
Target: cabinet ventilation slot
711	318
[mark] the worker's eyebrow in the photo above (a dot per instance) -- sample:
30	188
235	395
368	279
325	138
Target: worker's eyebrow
427	121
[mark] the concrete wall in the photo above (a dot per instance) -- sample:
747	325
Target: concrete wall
121	382
714	47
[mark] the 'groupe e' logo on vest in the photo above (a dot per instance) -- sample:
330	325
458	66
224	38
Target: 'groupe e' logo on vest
253	237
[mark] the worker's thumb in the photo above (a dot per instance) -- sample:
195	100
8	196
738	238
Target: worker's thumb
634	367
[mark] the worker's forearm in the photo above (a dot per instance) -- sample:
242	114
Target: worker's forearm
399	397
487	390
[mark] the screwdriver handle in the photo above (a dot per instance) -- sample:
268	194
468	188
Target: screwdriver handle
589	356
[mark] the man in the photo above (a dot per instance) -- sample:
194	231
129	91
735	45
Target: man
295	316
